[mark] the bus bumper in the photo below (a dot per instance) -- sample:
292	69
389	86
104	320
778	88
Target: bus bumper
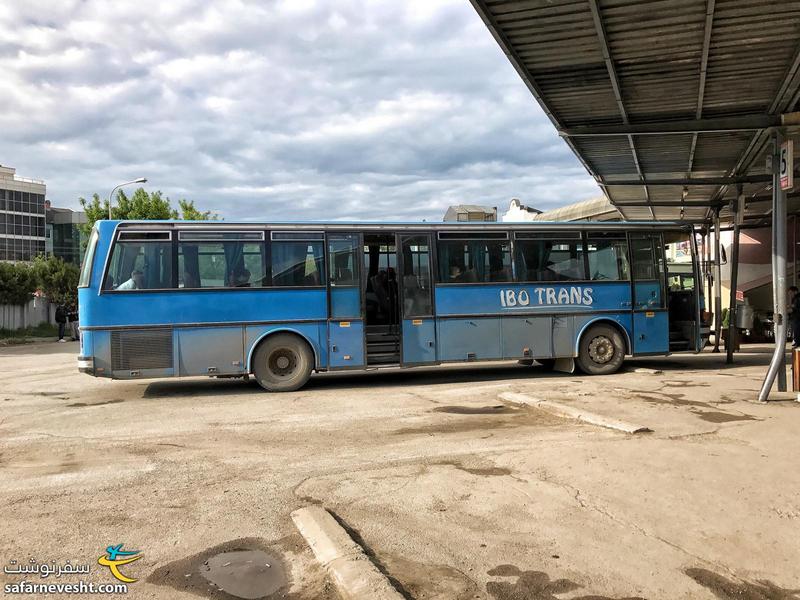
86	365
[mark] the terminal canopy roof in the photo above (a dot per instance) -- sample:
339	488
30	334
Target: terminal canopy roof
667	103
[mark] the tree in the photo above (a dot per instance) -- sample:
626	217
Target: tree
17	283
56	278
141	205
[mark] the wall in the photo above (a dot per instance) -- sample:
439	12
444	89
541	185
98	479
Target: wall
31	314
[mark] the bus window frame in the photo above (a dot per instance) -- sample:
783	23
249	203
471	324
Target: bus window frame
504	235
553	235
199	236
294	237
115	239
85	279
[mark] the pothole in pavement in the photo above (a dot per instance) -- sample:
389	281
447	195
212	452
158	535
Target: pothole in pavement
245	569
244	573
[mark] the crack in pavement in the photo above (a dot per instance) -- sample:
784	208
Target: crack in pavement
577	496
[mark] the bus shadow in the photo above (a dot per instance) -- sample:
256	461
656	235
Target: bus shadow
451	374
348	380
429	376
705	361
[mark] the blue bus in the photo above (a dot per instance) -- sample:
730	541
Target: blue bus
279	301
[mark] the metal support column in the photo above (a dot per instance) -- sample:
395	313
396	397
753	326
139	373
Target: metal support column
734	278
777	365
717	282
709	275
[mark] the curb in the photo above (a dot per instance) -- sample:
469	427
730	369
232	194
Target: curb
352	571
563	410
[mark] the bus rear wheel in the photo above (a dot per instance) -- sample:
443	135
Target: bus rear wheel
601	350
283	363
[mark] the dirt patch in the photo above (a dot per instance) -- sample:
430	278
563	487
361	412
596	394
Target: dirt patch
82	404
671	399
535	585
497	409
483	418
721	417
685	383
727	589
482	472
432	582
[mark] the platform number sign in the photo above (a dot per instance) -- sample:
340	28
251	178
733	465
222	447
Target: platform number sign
787	165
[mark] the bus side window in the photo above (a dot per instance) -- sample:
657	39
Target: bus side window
140	265
608	258
549	260
474	261
208	264
298	263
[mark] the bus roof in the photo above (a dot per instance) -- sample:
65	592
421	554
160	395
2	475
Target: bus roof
411	226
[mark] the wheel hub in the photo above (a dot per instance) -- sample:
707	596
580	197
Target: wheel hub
601	349
282	362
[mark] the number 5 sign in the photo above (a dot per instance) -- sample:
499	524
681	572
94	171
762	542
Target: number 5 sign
787	165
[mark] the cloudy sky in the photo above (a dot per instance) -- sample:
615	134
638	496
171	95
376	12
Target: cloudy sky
289	110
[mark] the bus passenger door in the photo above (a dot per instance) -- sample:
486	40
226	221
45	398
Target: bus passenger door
650	316
345	321
416	297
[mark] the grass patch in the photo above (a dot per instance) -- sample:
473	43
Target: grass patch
40	330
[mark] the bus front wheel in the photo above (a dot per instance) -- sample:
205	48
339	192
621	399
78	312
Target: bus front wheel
283	363
601	351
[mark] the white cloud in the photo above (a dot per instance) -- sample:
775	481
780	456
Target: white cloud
280	110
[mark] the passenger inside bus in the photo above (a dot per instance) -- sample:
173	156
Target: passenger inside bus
136	282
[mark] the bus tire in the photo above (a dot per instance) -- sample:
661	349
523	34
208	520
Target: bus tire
283	363
601	350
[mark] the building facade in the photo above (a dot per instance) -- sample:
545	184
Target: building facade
63	233
470	212
22	216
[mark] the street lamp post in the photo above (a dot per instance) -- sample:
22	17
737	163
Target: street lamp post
111	195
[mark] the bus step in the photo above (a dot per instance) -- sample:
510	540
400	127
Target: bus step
382	337
382	358
382	347
678	346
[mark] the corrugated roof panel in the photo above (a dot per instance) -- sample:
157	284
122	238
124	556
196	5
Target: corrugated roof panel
656	51
716	153
609	155
660	155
